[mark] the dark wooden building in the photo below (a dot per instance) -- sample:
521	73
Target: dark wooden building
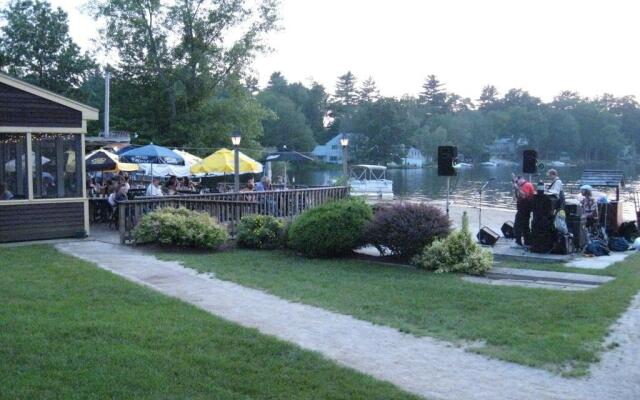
42	169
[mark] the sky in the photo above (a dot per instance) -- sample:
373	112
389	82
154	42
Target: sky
543	46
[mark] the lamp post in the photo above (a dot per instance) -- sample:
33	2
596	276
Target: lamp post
344	141
235	140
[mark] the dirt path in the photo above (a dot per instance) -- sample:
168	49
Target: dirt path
425	366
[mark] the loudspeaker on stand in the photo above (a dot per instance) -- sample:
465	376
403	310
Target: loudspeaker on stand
446	160
529	161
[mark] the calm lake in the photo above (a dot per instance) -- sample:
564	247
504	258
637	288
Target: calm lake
425	184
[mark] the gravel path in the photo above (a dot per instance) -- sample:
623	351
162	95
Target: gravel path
424	366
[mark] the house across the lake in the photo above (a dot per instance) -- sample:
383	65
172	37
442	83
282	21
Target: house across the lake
413	158
42	169
330	152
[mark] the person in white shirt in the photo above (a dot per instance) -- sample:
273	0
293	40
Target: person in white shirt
154	188
556	185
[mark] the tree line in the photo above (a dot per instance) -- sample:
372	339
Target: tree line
182	76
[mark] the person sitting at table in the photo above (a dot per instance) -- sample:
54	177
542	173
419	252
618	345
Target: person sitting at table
186	184
154	188
264	184
172	185
92	187
108	188
4	193
251	185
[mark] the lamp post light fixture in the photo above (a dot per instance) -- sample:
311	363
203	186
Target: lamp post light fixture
344	141
235	140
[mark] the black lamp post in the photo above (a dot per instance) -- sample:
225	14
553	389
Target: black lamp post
235	140
344	141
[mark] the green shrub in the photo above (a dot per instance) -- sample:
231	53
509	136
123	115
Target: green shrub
260	232
180	227
333	229
404	229
458	252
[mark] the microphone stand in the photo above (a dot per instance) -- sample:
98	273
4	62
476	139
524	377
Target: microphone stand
480	202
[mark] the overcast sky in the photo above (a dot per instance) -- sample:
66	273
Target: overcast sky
543	46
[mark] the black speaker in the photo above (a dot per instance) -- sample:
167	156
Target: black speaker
508	231
446	160
563	244
529	161
578	228
487	237
573	209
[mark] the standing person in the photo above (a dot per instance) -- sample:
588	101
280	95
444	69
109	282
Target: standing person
556	185
589	206
4	193
154	188
524	192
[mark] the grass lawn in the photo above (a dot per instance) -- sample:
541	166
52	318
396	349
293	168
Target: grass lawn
559	331
69	330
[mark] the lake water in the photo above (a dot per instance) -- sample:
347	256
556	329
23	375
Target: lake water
425	184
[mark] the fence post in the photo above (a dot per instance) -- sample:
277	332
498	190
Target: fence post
122	221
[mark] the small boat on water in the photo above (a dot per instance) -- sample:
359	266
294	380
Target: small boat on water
490	164
560	164
370	181
463	165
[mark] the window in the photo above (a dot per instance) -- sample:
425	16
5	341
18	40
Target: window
13	167
334	158
334	147
56	170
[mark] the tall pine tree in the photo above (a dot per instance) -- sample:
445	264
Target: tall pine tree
368	91
433	96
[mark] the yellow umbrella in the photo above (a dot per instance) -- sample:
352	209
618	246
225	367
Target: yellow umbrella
221	163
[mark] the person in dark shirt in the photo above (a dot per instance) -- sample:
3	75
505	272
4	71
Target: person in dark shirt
4	193
524	192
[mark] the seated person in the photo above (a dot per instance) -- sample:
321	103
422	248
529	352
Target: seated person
4	193
118	196
172	185
250	186
154	188
264	184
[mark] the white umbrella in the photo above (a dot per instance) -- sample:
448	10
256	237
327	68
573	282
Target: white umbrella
161	170
189	159
10	166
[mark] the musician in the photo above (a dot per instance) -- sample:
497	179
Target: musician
524	192
556	185
589	205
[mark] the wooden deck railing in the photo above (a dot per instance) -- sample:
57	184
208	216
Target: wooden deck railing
230	207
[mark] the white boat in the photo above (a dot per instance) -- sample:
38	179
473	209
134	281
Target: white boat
370	181
560	164
488	164
462	165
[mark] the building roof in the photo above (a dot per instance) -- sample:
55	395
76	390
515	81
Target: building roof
88	112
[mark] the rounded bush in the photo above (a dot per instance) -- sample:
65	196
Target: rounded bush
331	230
180	227
458	252
260	232
403	230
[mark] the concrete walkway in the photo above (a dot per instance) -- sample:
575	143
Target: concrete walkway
424	366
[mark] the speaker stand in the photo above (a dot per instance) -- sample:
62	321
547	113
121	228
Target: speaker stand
448	185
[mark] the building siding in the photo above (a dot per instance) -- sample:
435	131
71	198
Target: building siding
22	222
21	109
